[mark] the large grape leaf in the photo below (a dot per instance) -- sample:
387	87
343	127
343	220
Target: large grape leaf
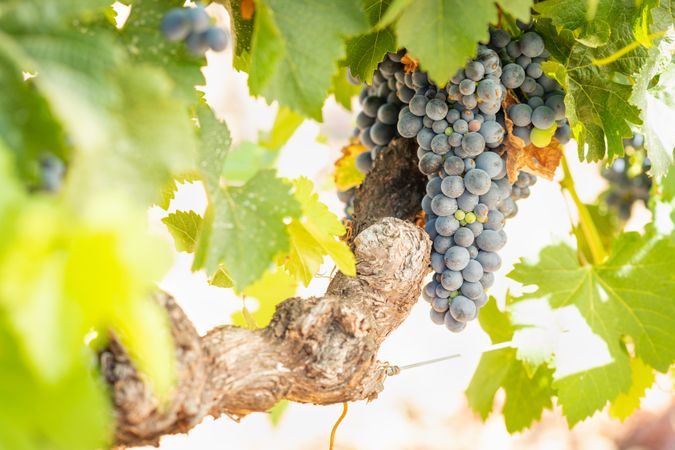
443	34
527	395
597	107
366	50
131	131
145	44
631	294
295	48
657	103
244	227
22	111
73	414
314	235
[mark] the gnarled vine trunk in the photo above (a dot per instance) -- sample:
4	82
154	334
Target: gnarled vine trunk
317	350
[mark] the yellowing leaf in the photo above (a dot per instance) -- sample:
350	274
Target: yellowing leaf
627	402
315	235
346	174
285	124
221	279
184	226
270	290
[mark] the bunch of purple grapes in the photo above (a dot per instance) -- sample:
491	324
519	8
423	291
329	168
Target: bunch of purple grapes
193	26
380	107
460	130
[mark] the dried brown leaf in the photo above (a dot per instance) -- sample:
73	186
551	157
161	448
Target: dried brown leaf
539	161
409	64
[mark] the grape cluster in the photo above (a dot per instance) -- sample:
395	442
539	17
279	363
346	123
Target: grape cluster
380	106
460	130
193	26
628	179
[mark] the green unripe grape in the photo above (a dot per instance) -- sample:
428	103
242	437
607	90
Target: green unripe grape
470	217
454	294
460	215
448	131
542	137
462	222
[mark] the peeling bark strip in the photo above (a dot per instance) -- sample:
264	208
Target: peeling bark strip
318	350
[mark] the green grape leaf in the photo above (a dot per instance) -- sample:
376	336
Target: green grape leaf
366	50
244	227
295	47
598	108
213	149
245	160
285	124
632	293
74	413
242	31
277	411
314	235
22	111
342	89
527	396
271	289
221	279
146	44
657	104
47	14
452	29
170	188
132	132
184	226
626	403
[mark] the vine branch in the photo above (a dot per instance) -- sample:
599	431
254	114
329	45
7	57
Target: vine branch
318	350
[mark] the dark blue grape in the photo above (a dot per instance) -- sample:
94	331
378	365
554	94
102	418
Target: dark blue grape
382	134
176	24
446	225
409	125
217	39
450	323
513	76
473	271
430	163
531	44
364	162
462	309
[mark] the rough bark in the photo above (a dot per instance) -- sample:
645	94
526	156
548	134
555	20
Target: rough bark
318	350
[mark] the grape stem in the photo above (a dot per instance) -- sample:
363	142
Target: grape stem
586	224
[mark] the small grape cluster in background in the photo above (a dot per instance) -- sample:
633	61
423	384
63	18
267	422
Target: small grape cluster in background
193	26
628	179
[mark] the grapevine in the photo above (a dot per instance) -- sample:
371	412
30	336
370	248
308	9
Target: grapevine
154	151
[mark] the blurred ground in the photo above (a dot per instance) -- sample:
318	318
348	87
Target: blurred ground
423	408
